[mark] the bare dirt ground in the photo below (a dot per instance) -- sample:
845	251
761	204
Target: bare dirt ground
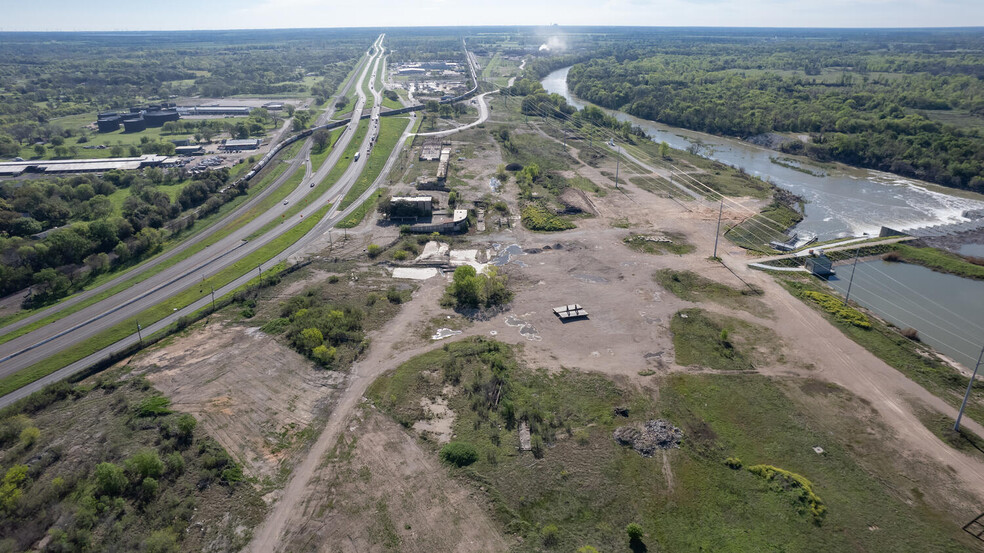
627	332
380	491
253	395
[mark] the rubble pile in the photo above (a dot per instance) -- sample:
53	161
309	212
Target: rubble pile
653	435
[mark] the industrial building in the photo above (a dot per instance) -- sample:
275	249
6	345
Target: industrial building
821	266
442	167
457	222
213	110
189	150
96	165
239	145
411	206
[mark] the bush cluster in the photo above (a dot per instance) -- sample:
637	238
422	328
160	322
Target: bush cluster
537	217
836	307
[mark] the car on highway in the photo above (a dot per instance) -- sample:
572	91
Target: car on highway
285	202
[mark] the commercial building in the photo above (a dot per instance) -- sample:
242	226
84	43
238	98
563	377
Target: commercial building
189	150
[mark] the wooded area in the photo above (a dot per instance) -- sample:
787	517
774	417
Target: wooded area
888	100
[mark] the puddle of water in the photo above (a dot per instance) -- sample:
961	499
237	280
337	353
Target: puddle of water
526	330
591	278
443	333
505	256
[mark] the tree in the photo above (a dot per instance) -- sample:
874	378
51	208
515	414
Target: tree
110	479
664	150
39	150
321	138
324	354
186	428
311	338
145	463
550	534
10	487
290	109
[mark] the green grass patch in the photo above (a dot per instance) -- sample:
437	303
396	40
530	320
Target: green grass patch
587	185
936	259
689	286
390	130
700	340
160	311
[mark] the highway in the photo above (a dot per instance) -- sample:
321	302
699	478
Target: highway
24	351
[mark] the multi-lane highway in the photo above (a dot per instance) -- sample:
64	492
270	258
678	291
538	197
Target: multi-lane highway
35	346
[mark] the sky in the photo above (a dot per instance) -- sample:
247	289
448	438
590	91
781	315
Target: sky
133	15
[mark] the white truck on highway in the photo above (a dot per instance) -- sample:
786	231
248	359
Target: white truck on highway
356	158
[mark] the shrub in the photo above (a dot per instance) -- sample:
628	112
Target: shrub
374	250
232	474
186	428
148	489
733	462
634	531
29	435
459	454
791	481
550	534
110	479
537	217
247	313
394	295
401	255
911	334
836	307
586	549
174	463
161	541
145	463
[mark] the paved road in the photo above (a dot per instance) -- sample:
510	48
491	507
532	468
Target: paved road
191	241
92	320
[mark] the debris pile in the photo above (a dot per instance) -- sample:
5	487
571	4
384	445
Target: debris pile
654	434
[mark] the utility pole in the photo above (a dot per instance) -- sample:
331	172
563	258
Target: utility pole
718	231
618	160
213	298
259	272
140	339
970	384
851	282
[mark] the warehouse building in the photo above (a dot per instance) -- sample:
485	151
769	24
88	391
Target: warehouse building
239	145
96	165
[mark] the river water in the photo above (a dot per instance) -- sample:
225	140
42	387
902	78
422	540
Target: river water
845	201
948	311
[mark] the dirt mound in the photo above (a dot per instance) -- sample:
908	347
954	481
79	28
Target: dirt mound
653	435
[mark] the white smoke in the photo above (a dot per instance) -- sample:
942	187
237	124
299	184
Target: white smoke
554	44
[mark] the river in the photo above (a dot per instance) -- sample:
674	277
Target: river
843	202
948	311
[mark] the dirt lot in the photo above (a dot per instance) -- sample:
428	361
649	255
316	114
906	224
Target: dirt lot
253	395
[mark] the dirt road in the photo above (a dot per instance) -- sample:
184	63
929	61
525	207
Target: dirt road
382	356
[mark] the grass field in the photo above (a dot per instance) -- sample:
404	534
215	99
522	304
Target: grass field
160	311
686	499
